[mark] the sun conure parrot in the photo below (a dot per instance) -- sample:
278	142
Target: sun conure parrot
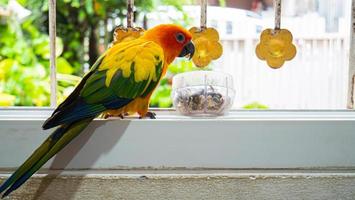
122	79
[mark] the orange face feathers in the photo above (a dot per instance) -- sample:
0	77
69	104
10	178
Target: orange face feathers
172	38
169	34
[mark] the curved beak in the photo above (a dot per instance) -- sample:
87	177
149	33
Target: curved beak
188	50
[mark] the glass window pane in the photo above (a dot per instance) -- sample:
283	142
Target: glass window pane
315	79
24	53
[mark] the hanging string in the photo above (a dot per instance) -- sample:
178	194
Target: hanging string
52	46
130	13
277	5
203	24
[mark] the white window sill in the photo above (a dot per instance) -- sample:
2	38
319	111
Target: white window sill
243	139
41	113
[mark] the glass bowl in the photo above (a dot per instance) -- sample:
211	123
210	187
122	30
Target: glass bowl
203	93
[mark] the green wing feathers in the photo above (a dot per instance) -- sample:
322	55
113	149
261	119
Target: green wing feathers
118	78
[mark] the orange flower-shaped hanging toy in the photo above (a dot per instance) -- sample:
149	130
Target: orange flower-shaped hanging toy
206	41
276	44
276	47
124	34
207	46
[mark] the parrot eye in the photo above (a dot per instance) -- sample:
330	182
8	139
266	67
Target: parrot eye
180	37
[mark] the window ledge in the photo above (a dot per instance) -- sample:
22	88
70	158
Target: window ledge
30	113
243	139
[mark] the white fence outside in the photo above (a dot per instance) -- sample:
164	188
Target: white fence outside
315	79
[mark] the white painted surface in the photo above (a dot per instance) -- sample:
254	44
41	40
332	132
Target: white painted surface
248	140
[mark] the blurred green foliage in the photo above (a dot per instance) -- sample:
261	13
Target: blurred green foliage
83	35
255	106
24	71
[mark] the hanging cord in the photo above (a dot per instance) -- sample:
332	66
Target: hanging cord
277	5
203	24
52	46
130	13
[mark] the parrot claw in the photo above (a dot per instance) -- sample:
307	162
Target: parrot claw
106	116
122	116
150	115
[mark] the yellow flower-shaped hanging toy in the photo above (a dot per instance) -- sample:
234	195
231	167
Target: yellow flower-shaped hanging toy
206	41
124	34
276	44
207	46
276	47
121	33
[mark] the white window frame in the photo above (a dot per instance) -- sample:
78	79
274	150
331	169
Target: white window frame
242	139
351	80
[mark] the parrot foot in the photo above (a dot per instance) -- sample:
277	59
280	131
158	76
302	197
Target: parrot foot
150	115
106	116
122	116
